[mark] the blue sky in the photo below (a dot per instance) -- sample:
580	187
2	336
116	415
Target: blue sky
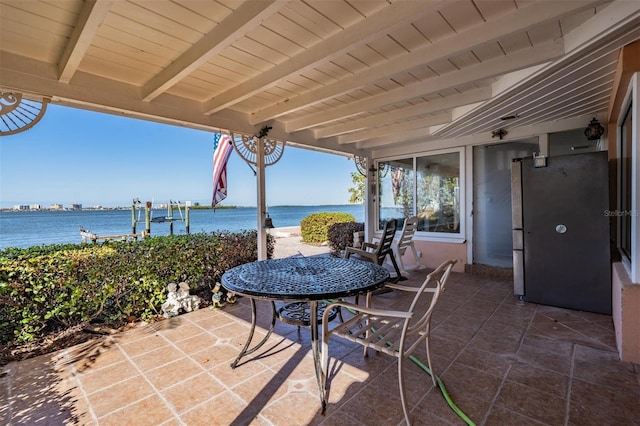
78	156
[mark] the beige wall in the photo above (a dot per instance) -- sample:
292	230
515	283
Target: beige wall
625	298
626	314
434	253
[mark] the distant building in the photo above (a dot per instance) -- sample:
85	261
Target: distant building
56	207
76	207
21	207
35	207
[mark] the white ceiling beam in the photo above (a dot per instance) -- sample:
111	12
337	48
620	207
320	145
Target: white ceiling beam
608	21
409	135
370	28
420	123
521	59
495	29
89	20
94	93
243	20
469	97
611	28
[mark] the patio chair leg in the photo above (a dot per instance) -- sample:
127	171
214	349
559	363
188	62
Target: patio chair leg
403	397
395	266
433	373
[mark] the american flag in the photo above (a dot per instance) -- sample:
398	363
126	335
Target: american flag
222	148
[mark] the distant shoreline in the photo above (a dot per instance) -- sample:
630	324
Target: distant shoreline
161	207
37	227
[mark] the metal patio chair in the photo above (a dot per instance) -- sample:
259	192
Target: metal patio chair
395	332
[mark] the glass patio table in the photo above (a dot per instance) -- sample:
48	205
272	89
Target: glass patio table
301	279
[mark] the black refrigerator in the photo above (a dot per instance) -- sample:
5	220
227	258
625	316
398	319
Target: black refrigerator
561	244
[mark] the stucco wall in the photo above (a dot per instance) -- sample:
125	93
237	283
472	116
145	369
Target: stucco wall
434	253
626	315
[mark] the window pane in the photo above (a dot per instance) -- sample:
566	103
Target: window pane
396	191
438	202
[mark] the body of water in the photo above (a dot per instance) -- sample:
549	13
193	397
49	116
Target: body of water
33	228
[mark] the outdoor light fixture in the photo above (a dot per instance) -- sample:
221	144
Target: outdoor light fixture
594	130
361	166
268	223
499	133
539	160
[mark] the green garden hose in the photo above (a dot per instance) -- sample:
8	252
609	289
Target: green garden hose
443	389
444	392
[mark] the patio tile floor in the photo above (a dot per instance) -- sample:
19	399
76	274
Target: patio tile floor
502	361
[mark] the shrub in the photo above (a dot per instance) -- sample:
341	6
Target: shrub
341	236
314	228
44	289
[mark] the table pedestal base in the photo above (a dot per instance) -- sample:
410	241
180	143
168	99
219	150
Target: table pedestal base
245	350
299	313
312	312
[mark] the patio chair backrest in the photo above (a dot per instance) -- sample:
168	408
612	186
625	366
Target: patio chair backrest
436	280
394	332
408	231
386	240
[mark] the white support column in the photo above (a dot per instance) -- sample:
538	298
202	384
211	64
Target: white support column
469	200
262	205
371	202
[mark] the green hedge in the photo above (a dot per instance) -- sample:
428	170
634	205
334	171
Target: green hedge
341	236
47	288
314	228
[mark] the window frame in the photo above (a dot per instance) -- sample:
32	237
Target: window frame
624	206
451	237
632	263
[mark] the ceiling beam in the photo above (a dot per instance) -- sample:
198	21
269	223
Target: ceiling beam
370	28
243	20
606	32
420	123
469	97
38	78
409	135
492	68
503	26
90	18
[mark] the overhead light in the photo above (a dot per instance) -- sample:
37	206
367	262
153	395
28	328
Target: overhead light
509	117
499	133
594	130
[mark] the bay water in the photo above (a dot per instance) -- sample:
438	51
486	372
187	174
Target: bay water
32	228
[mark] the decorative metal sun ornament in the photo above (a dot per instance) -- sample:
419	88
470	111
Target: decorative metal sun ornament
18	114
361	165
247	147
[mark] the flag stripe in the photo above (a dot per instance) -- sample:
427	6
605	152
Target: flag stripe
222	149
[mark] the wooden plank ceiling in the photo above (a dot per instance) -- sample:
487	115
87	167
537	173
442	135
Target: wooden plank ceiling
351	76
